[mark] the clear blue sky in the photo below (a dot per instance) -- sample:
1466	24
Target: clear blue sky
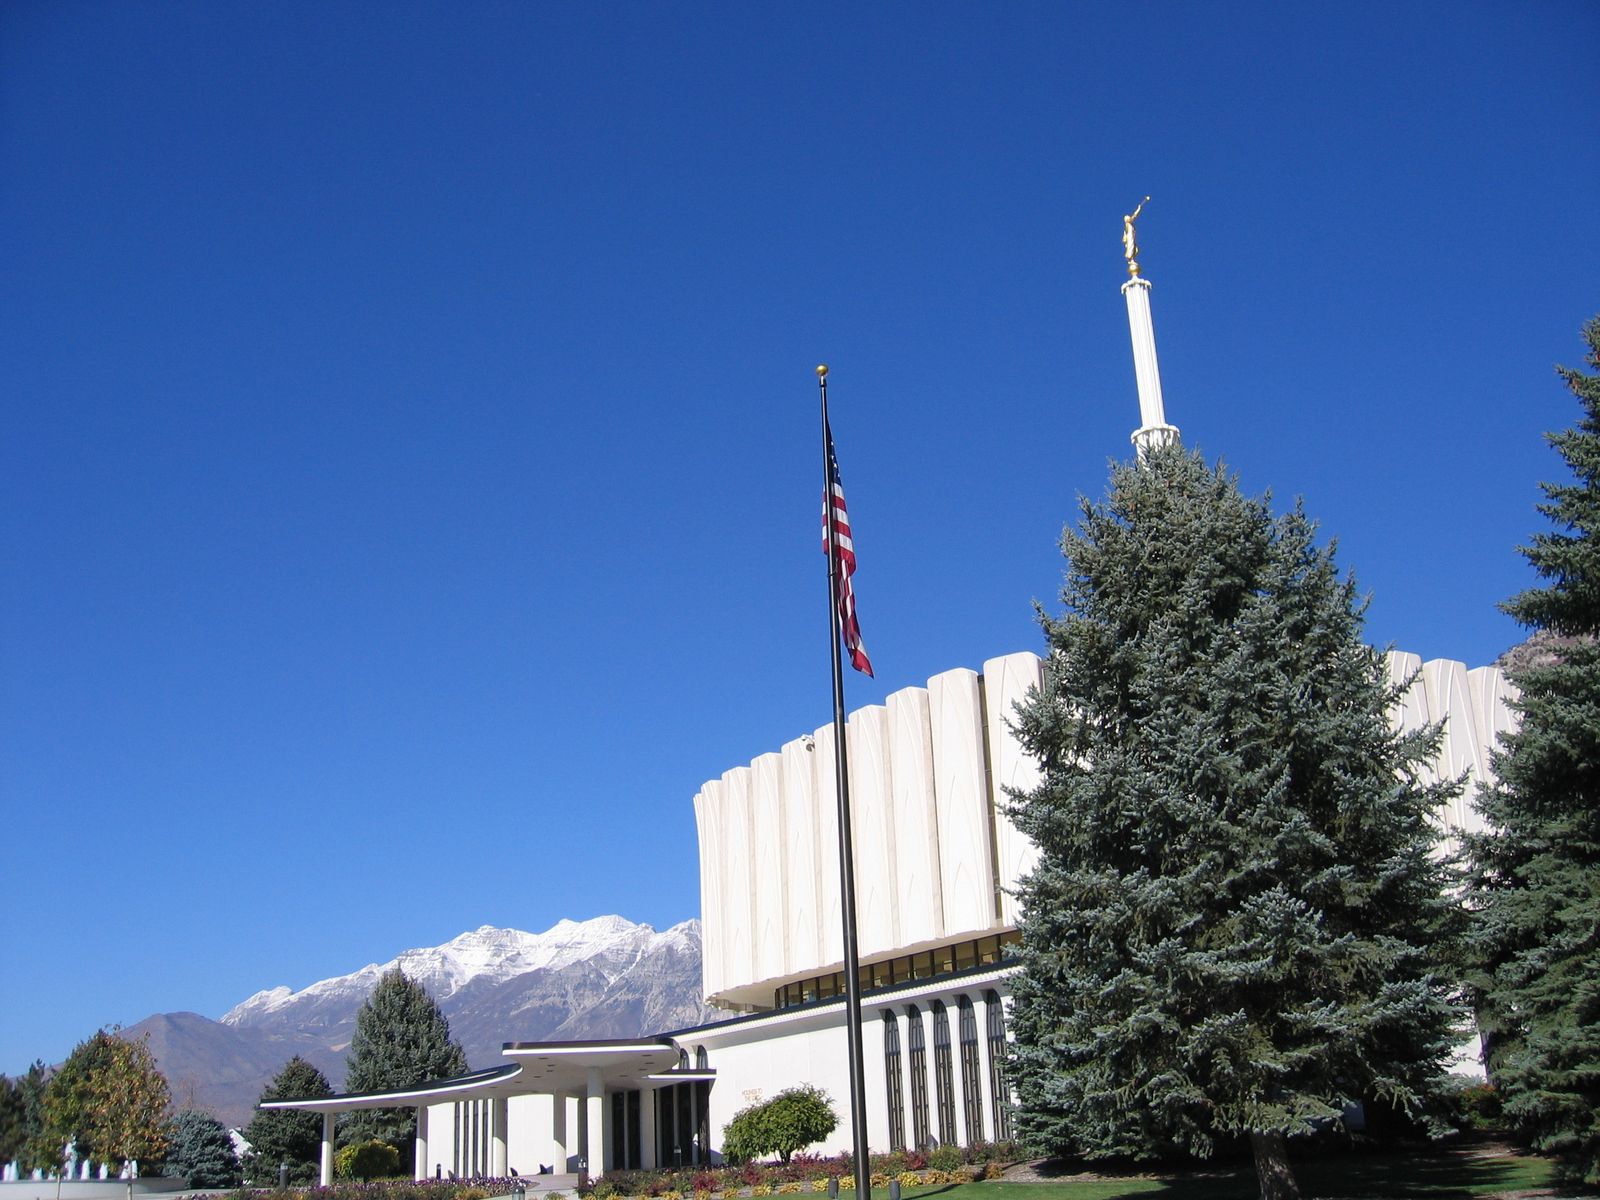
410	447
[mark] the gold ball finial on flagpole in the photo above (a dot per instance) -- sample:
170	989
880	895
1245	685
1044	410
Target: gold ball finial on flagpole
822	370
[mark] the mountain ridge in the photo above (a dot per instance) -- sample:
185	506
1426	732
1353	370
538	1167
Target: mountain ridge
600	978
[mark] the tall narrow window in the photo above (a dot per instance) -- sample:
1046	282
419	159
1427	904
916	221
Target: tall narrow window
619	1131
971	1075
943	1077
919	1078
891	1075
999	1093
635	1140
683	1146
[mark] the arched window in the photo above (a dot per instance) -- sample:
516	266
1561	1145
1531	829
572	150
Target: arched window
683	1059
919	1077
971	1074
701	1061
999	1093
891	1075
943	1082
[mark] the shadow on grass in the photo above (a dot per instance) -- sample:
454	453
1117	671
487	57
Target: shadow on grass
1427	1175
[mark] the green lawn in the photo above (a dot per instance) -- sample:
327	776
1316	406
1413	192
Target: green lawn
1428	1176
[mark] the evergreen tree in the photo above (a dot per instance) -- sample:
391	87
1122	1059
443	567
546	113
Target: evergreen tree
13	1119
1536	873
284	1135
31	1089
1228	930
401	1040
200	1150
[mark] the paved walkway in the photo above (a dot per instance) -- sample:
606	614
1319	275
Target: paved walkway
548	1185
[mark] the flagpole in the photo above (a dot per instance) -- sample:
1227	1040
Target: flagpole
847	875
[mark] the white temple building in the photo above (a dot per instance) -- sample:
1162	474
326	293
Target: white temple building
936	860
936	863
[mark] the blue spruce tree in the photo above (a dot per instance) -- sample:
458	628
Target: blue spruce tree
1536	877
1231	928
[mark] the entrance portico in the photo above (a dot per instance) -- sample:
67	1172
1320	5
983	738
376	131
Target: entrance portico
590	1107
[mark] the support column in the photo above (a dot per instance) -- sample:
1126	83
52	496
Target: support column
420	1163
647	1130
499	1111
559	1145
327	1150
595	1148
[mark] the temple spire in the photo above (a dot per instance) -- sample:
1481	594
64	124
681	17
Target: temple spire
1153	430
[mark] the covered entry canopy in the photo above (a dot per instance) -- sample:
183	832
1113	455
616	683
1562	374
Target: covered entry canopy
565	1067
476	1085
587	1071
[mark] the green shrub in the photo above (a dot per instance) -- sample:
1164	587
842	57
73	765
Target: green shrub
793	1119
944	1158
372	1159
1476	1106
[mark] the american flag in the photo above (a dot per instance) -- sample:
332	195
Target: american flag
833	503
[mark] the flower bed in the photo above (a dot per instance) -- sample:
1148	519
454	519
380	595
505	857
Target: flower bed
807	1174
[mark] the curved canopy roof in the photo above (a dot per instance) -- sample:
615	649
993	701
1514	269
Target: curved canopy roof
537	1068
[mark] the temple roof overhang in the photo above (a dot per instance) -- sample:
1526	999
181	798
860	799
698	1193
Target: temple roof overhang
537	1068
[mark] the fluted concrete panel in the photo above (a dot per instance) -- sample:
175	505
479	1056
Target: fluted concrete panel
768	886
1492	694
929	778
918	899
832	932
1412	712
713	924
961	803
1450	700
802	858
738	900
1006	682
872	822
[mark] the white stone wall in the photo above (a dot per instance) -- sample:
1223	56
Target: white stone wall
935	855
1475	709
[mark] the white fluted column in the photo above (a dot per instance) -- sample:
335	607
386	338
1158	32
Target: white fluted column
419	1166
326	1173
595	1124
500	1159
560	1147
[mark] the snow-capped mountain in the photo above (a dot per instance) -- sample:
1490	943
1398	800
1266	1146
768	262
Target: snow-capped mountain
602	978
485	955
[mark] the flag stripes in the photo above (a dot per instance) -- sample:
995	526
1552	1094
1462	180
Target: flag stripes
833	508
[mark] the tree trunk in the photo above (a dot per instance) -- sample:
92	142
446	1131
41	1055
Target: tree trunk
1273	1171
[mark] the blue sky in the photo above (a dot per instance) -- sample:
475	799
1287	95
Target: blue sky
410	449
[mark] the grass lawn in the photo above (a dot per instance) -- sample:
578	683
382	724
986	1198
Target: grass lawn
1433	1176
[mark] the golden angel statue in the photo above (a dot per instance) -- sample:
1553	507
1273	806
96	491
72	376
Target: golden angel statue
1130	248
